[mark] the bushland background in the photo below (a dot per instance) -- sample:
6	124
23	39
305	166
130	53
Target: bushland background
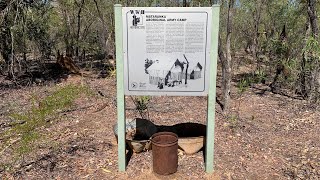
58	124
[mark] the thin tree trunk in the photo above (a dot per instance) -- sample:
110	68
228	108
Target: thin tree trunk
5	34
303	76
227	64
24	38
79	27
11	64
313	17
222	58
255	45
104	32
314	84
12	59
68	36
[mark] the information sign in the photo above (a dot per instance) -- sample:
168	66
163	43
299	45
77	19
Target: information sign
166	50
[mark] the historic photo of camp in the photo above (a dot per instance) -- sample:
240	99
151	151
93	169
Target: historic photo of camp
174	73
167	51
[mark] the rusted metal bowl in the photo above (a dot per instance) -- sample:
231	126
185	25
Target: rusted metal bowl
191	145
138	133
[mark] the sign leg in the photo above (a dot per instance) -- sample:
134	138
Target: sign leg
120	88
209	154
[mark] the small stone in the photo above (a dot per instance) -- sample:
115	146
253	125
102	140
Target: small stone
180	152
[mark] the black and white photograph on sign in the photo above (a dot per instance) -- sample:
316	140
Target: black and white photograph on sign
175	73
166	50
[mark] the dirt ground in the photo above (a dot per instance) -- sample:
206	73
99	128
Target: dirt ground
275	137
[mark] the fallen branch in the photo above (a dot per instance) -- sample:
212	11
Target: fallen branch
3	125
76	109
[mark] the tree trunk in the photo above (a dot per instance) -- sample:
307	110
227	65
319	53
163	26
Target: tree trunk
255	45
5	35
313	17
104	33
68	35
227	63
304	90
314	84
79	27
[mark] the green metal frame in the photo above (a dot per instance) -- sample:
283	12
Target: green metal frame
209	152
212	90
120	89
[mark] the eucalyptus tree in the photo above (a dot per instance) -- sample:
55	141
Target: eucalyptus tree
22	21
225	56
312	53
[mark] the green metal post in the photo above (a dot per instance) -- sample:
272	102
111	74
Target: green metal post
120	88
212	90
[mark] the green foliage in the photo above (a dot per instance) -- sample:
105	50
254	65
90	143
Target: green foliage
312	55
141	104
292	72
232	121
27	126
112	71
312	68
260	76
312	48
28	139
279	48
244	84
28	23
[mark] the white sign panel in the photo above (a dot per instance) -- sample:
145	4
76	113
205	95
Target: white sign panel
166	50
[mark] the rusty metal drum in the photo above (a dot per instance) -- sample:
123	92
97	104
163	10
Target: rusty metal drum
165	153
